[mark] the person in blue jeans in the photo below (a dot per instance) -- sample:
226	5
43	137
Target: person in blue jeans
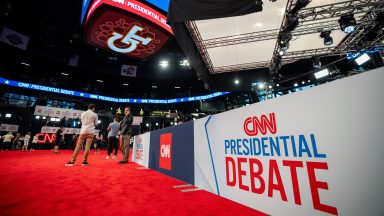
113	130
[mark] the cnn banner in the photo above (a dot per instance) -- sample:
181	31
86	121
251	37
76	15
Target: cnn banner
140	153
9	127
314	152
47	129
57	112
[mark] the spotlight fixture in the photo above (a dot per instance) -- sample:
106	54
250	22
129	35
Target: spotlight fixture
347	23
237	81
163	63
322	73
328	40
184	63
316	62
362	59
292	23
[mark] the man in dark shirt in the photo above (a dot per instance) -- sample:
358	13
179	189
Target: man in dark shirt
125	134
59	139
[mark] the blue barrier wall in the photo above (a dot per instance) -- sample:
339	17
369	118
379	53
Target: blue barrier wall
182	151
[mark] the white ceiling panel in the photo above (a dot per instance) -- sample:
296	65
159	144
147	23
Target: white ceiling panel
270	18
242	53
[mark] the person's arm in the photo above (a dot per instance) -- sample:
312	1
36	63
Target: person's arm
96	119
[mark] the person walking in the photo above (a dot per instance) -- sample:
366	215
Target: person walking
7	139
27	137
113	130
59	139
88	122
125	134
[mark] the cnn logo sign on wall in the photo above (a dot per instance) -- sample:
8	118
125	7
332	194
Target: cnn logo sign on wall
166	151
254	125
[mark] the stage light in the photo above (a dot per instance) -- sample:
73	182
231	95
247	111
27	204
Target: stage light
100	81
157	124
8	115
65	74
163	63
171	123
322	73
184	63
237	81
316	62
328	40
347	23
125	84
261	86
154	86
57	119
37	117
270	87
309	80
362	59
26	64
147	125
177	87
295	84
277	84
281	52
303	82
292	23
53	119
44	117
98	121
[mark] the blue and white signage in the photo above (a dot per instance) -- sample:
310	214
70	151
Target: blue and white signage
106	98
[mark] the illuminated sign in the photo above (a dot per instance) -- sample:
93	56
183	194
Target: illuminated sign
127	27
106	98
44	138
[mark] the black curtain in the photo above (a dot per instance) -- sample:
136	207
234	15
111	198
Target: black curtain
188	10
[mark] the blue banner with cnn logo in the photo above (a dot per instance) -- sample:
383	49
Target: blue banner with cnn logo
172	151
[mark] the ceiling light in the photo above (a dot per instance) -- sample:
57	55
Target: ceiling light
362	59
154	86
37	117
65	74
277	84
270	86
261	86
177	87
125	84
328	40
8	115
347	23
316	62
163	63
157	124
237	81
295	84
100	81
322	73
26	64
184	63
303	82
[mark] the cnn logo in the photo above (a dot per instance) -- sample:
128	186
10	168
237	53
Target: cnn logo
165	151
253	125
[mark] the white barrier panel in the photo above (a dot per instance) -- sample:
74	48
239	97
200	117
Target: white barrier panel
314	152
57	112
9	127
140	152
47	129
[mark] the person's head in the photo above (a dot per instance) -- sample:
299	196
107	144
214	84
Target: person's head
116	119
29	133
91	107
127	110
9	132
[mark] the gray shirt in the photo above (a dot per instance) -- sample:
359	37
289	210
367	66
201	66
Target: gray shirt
114	126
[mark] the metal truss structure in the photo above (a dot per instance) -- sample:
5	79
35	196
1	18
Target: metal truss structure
312	20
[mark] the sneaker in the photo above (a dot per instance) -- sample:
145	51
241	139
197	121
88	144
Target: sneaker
107	157
70	163
123	162
84	163
114	156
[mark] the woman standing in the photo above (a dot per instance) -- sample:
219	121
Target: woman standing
33	144
27	137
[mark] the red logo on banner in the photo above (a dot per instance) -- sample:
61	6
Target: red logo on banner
252	125
44	138
166	151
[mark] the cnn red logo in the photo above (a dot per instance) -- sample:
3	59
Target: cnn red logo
253	125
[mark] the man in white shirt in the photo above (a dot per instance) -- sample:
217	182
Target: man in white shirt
88	123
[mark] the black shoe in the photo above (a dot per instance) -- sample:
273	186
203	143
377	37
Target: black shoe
123	162
84	163
70	163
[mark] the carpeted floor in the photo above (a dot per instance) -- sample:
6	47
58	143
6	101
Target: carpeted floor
38	183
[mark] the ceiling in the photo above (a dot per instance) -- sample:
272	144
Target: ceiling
250	41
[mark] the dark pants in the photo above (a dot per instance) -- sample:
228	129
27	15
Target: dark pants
6	145
112	144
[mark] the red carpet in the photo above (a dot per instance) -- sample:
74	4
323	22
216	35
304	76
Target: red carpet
38	183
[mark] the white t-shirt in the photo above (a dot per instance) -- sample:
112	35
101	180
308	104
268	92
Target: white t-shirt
8	137
27	137
88	122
